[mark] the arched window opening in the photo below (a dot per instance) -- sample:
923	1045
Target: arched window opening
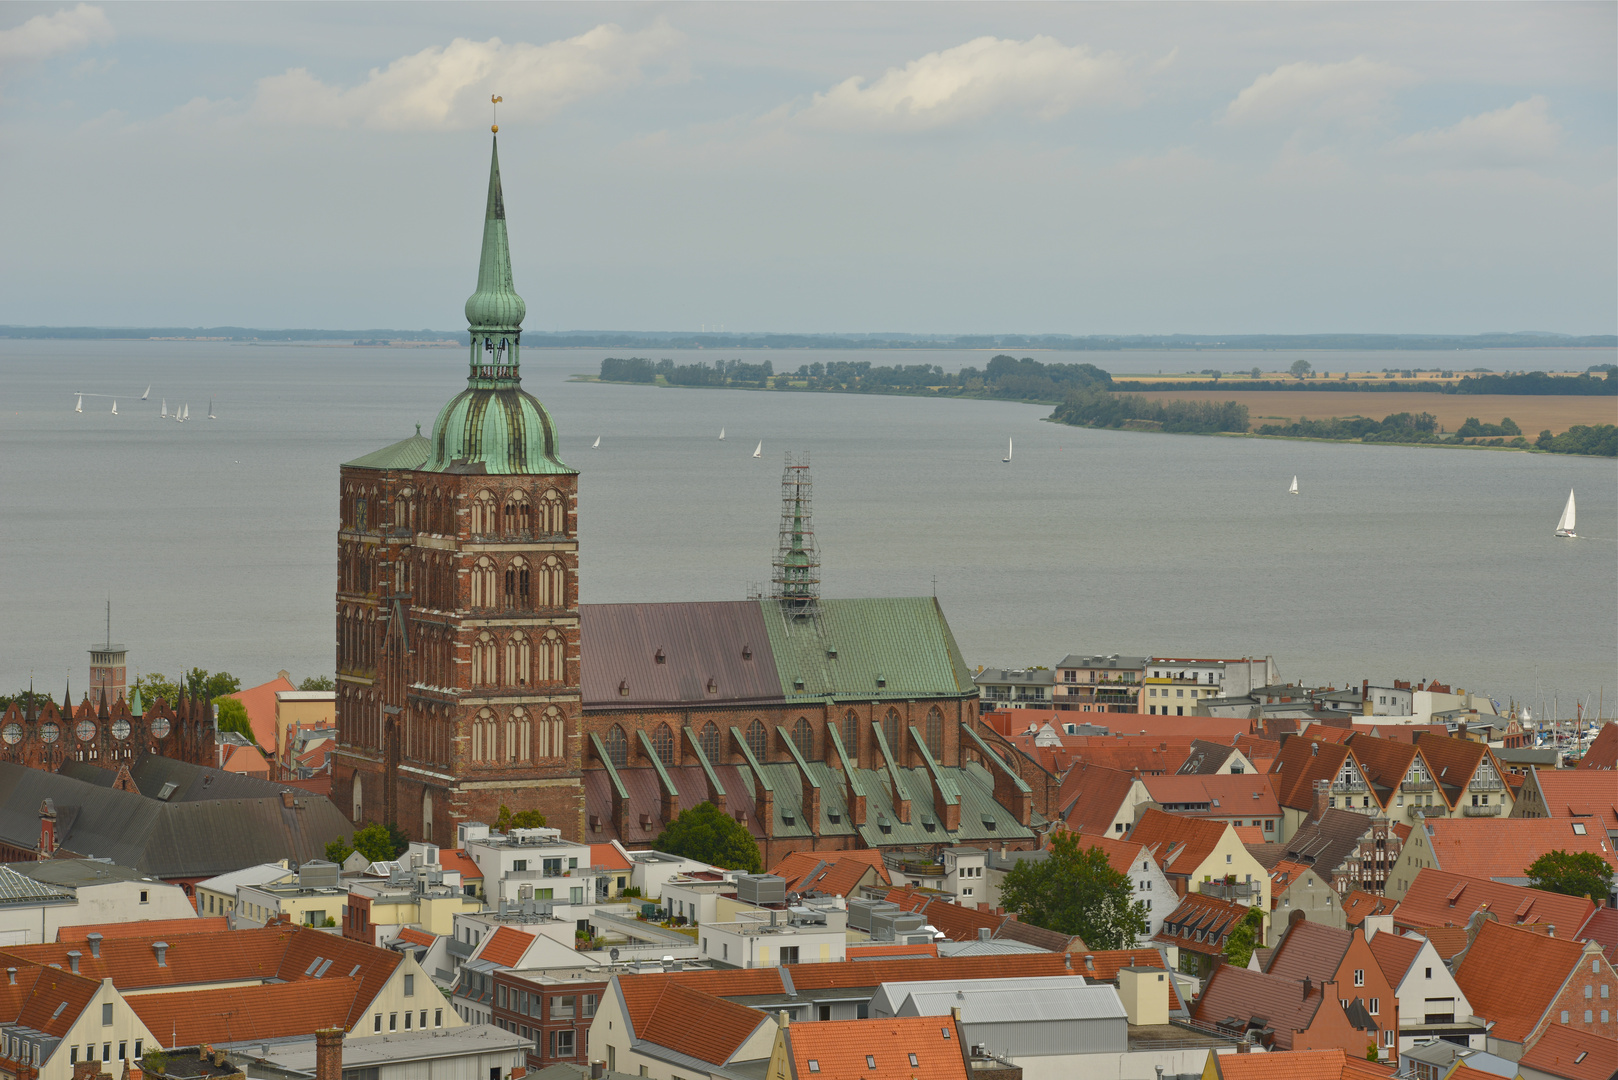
757	741
483	661
550	734
851	732
483	514
551	591
712	744
803	737
517	583
551	513
519	659
519	519
890	731
551	658
483	595
663	743
359	801
617	745
426	815
512	720
935	732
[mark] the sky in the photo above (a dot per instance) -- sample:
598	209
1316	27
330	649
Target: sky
962	168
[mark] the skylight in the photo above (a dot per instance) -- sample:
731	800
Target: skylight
1578	828
310	970
814	1064
870	1061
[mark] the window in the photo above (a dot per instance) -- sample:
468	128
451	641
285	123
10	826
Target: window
377	1022
1564	1016
789	954
562	1007
663	743
890	730
757	740
1589	1017
1359	976
913	1061
814	1064
393	1021
1429	973
407	1021
617	745
106	1014
1376	1006
409	986
587	1006
711	745
143	897
562	1043
803	737
935	731
500	990
438	1018
73	1051
870	1061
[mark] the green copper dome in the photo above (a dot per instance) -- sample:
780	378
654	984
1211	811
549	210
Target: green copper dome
493	426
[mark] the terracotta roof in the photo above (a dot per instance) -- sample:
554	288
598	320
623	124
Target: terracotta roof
876	972
233	1013
259	701
640	990
1453	762
872	952
244	759
506	946
416	937
1603	750
1180	844
1236	992
830	873
146	929
1602	928
1300	1065
1091	797
1579	793
1503	848
458	860
1122	855
1511	976
131	963
1573	1054
609	857
1383	762
1309	950
53	988
1241	795
1439	898
1201	924
338	957
878	1049
1104	966
1282	875
687	1020
1359	904
1250	835
1303	760
1394	954
1447	940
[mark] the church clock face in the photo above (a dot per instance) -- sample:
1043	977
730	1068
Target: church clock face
12	733
120	729
49	731
86	730
160	727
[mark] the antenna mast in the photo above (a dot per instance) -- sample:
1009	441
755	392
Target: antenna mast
796	568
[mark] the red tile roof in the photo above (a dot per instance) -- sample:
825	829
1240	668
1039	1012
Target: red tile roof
1439	898
1511	976
1574	1054
1447	940
1603	750
459	861
53	988
147	929
1282	875
687	1020
1122	855
1104	966
1180	844
1250	834
1359	904
1244	794
1394	954
1602	928
506	946
1236	992
1303	760
1300	1065
1504	848
878	1049
1091	797
416	937
1309	950
830	873
244	759
873	952
232	1013
1201	924
609	857
1580	793
259	701
1453	762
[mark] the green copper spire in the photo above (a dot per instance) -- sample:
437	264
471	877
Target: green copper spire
493	426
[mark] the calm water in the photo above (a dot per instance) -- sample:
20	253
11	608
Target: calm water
215	538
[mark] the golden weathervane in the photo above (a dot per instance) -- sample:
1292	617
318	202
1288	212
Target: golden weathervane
494	102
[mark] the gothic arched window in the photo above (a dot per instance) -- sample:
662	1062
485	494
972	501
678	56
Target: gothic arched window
551	591
484	672
617	745
757	740
935	731
663	743
890	731
552	515
519	518
519	735
483	594
550	734
711	743
517	583
483	514
551	658
485	736
803	737
519	659
851	732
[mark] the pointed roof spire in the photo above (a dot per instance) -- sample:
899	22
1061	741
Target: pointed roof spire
495	306
67	699
102	712
136	706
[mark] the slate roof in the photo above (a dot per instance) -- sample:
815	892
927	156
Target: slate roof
878	1049
1573	1054
1327	842
1504	848
192	783
166	839
1511	976
1440	898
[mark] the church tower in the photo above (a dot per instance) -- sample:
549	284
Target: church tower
457	598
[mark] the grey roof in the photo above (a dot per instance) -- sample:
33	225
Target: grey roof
404	1046
261	874
1015	677
192	783
1008	1001
1530	755
1325	844
1124	663
21	889
984	948
165	839
723	641
1443	1054
1206	758
77	873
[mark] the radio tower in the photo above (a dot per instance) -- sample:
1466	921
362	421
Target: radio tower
796	569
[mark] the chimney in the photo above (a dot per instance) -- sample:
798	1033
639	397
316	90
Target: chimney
73	960
983	933
204	1052
1307	986
95	945
286	799
11	976
329	1054
782	1018
596	1069
161	948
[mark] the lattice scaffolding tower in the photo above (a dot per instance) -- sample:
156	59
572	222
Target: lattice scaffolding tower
796	568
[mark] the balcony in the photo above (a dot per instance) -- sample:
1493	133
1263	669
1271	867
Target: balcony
1481	811
1424	811
1230	890
1341	786
1416	785
1485	785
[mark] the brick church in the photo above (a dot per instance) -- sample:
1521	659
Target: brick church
470	677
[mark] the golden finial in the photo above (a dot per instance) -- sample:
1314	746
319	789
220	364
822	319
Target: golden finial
494	101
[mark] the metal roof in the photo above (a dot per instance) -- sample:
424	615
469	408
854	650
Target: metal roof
1004	1001
725	642
411	453
867	650
192	783
404	1046
22	889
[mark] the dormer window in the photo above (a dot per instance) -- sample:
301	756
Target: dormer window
660	657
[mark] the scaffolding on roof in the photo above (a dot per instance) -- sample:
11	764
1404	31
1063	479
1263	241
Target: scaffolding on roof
795	576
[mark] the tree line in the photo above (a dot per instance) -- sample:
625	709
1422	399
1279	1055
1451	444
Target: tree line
1098	408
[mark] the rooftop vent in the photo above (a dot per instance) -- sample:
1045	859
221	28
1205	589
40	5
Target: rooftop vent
95	944
73	960
713	687
660	657
881	680
831	652
747	652
161	948
623	688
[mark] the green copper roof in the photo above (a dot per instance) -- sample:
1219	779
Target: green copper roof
495	305
411	453
886	648
505	431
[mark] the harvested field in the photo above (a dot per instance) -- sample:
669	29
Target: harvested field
1532	414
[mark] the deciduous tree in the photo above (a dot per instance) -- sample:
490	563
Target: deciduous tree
1578	873
1074	890
707	833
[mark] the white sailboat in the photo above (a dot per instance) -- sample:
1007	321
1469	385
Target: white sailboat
79	406
211	416
597	444
115	406
1008	451
147	394
759	452
1564	527
164	415
187	412
721	434
1293	490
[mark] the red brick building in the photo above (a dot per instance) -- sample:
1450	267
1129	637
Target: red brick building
109	732
554	1012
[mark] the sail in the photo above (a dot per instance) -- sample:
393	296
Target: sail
1566	524
1293	490
115	407
760	451
147	394
211	416
79	405
597	444
721	434
164	415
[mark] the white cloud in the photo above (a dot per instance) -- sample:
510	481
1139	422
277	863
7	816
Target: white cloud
68	30
448	87
1515	135
1356	92
1040	76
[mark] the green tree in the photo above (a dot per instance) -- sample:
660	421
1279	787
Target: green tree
522	819
1582	873
233	717
1074	890
1243	939
1257	374
709	834
317	682
157	685
1300	368
376	842
197	683
338	850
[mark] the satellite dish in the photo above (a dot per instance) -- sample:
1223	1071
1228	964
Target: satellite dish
614	954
